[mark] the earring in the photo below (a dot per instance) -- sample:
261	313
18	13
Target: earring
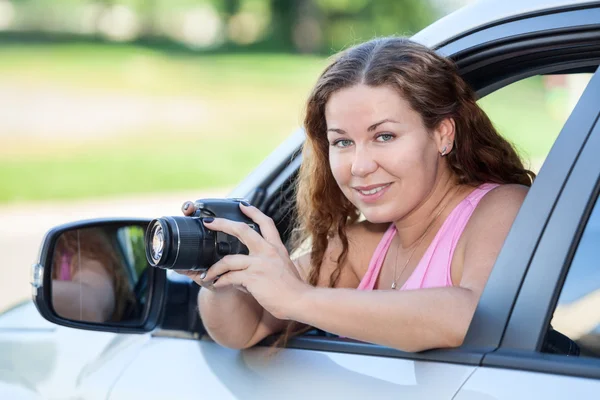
443	153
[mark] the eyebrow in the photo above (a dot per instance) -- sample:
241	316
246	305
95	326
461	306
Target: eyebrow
369	129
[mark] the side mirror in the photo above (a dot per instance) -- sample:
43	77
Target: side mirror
94	275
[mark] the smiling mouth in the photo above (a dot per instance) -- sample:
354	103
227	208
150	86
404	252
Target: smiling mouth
371	192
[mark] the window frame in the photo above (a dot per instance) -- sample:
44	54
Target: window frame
508	47
521	344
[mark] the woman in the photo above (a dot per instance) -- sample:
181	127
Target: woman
395	135
89	283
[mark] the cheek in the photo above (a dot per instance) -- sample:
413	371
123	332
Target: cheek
410	159
340	169
405	162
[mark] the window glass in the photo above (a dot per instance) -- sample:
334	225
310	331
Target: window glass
577	314
531	113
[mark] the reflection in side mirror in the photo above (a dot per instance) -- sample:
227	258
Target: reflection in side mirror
100	274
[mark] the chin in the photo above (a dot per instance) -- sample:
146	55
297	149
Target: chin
375	217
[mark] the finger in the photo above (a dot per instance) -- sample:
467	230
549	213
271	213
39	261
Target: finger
267	226
232	262
234	278
240	230
188	208
195	276
207	285
242	289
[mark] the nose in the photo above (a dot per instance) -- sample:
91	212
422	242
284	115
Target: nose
363	163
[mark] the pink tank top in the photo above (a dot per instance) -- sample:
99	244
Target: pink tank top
65	268
433	269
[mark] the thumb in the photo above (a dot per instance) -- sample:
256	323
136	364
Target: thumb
188	208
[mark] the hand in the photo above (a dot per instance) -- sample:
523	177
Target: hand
267	272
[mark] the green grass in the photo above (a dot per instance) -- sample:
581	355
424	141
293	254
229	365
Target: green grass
139	70
251	102
130	166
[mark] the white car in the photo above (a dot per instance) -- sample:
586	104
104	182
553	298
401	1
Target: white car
536	330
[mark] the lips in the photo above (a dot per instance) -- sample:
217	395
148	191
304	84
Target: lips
371	189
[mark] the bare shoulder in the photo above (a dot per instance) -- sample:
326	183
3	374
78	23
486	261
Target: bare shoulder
485	233
496	212
502	200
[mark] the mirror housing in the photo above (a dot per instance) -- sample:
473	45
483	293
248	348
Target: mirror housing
42	281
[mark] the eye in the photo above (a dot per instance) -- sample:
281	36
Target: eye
342	143
385	137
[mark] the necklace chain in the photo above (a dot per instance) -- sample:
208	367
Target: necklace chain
394	285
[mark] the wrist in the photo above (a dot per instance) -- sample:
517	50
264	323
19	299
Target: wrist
300	306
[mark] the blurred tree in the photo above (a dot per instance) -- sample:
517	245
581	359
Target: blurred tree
308	26
329	25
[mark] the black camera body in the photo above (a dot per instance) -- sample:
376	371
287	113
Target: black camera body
184	242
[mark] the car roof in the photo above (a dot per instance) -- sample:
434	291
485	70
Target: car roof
483	13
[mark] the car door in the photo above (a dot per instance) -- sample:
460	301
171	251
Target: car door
176	365
561	287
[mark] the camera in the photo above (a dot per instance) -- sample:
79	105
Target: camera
183	242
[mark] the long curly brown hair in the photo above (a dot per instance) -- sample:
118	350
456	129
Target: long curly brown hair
94	244
433	88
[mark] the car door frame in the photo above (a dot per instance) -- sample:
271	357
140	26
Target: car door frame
489	58
541	288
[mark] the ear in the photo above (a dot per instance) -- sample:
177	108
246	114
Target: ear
444	136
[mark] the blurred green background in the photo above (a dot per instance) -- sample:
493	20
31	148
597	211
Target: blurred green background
103	98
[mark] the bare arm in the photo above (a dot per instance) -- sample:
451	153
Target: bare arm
234	318
88	296
422	319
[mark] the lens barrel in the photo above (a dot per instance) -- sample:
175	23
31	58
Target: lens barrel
179	243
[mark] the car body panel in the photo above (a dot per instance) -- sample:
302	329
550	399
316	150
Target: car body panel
43	359
507	384
484	13
204	368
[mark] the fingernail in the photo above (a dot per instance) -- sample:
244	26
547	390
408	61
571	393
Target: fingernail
203	275
186	206
208	220
245	203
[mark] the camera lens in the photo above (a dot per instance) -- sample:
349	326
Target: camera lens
180	243
158	243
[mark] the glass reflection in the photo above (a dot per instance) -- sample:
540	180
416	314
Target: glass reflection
99	274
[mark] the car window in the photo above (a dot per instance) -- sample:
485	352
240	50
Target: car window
530	113
576	317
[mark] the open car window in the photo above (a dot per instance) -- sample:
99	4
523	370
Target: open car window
530	113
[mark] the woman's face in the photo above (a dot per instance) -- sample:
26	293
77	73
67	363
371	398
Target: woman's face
381	155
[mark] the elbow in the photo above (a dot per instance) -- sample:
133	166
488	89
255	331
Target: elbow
233	345
441	340
455	339
457	330
229	341
451	335
225	338
456	334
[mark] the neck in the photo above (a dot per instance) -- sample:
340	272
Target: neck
419	222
